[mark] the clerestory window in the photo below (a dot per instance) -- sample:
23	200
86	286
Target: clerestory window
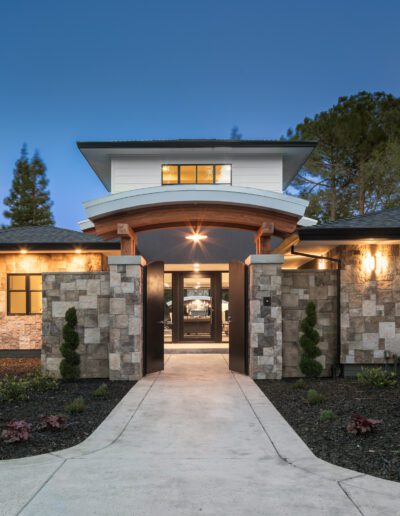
196	174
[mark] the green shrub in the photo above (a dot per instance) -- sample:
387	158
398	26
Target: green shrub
313	397
14	388
299	384
377	377
76	405
327	415
310	367
101	391
69	366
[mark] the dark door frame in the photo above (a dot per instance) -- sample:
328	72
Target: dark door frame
238	317
153	317
177	305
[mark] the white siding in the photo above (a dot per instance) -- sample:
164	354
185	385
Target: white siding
130	173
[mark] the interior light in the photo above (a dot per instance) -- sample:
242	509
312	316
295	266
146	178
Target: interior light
23	251
78	251
196	237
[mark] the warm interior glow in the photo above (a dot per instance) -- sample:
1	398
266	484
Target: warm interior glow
321	264
78	251
23	251
196	237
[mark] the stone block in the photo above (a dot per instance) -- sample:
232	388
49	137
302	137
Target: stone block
92	335
117	306
387	329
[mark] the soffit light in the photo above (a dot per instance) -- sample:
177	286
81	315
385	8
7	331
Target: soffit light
78	251
196	237
23	251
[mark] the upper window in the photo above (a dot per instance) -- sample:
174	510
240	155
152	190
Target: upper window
196	174
24	294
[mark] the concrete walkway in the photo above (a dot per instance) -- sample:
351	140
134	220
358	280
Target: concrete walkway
195	439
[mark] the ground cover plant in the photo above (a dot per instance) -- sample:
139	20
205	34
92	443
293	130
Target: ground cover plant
356	425
37	421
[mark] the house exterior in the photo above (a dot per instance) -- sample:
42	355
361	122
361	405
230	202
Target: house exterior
196	243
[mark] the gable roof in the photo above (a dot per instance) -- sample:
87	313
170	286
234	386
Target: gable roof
37	238
98	154
382	224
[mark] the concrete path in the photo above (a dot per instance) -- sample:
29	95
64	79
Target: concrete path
195	439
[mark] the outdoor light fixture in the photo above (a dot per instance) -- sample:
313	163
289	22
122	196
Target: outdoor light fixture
196	237
78	251
23	251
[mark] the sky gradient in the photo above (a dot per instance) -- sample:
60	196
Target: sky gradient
100	70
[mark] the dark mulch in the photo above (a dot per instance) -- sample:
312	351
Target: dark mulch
18	366
376	453
79	426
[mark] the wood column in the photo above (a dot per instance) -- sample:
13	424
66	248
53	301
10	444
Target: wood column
263	238
128	239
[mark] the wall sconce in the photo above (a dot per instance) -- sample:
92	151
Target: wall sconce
375	263
321	264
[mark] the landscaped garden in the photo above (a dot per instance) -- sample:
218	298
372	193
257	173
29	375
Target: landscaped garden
354	423
40	414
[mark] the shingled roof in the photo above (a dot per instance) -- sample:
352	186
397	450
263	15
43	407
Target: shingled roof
50	237
382	224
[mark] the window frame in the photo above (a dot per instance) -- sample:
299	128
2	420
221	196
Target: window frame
179	165
27	291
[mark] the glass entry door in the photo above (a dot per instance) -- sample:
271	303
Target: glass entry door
197	308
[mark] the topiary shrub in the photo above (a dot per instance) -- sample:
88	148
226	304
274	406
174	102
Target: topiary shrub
69	366
310	367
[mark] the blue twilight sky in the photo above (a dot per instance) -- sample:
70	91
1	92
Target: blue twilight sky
125	69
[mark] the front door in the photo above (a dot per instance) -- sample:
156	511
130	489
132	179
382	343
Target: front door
154	317
238	358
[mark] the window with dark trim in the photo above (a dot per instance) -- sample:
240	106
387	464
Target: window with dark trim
196	174
24	294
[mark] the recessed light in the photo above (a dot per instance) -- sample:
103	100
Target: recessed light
23	251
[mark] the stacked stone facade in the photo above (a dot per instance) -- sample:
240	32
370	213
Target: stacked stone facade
25	331
110	322
298	288
265	316
89	293
370	303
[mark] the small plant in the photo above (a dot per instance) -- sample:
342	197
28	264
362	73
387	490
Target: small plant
16	431
101	391
299	384
327	415
377	377
13	389
310	367
361	425
69	366
313	397
75	406
53	422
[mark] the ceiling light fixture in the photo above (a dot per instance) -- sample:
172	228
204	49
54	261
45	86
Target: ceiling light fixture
196	237
78	251
23	251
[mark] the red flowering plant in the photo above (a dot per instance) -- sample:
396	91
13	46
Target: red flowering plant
16	431
361	424
53	422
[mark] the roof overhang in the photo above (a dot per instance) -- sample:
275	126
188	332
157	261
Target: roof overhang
99	154
321	233
58	246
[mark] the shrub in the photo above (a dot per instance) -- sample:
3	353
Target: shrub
310	367
299	384
69	366
327	415
16	431
361	425
313	397
76	405
101	391
377	377
54	422
18	389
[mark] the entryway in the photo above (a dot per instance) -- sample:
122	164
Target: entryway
195	310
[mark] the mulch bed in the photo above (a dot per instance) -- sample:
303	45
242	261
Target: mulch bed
78	427
376	453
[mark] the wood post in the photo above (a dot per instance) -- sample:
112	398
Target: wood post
128	239
263	238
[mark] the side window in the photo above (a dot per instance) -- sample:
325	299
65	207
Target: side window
24	294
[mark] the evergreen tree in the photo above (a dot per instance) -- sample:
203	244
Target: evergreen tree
309	343
235	134
29	201
69	366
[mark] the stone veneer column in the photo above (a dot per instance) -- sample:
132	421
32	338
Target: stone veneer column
126	317
265	322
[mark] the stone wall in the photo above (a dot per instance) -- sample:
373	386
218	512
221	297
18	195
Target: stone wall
265	320
370	303
298	288
110	322
89	293
25	331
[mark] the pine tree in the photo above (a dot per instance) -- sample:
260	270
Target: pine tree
69	366
29	201
309	343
